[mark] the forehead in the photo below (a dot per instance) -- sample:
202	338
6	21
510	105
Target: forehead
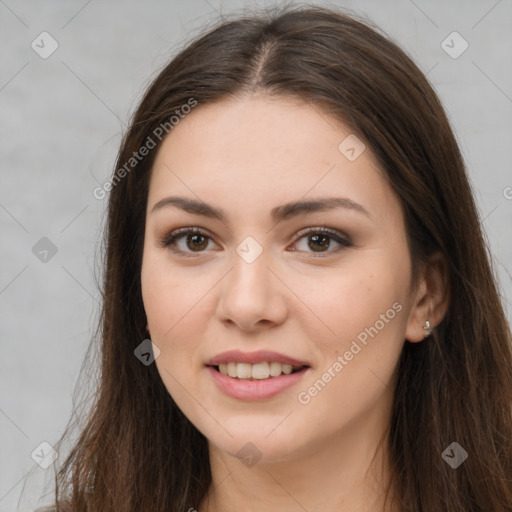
253	152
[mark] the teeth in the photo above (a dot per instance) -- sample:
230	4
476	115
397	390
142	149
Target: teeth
258	371
275	369
287	369
243	370
232	370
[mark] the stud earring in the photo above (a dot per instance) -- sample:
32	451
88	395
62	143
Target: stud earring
427	329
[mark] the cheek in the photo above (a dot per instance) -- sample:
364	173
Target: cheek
171	303
172	308
364	306
178	305
167	294
367	314
351	299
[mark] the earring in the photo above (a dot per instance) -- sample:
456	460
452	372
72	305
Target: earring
427	329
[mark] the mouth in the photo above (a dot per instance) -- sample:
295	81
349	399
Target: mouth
263	370
258	375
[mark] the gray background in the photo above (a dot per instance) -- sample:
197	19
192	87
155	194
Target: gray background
61	123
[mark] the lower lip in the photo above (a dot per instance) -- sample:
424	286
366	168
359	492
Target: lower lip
245	389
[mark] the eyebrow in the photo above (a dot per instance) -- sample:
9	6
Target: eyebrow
277	214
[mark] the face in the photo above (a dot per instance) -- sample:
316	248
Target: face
280	305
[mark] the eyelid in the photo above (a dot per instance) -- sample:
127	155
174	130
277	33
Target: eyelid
325	230
171	237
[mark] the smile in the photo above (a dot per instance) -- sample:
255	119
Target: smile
255	375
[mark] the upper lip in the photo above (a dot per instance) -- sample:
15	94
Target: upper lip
237	356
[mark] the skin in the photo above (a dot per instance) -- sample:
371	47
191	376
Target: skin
247	156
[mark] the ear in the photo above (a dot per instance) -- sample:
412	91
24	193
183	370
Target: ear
432	298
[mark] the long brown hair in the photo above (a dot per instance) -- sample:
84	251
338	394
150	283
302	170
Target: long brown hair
137	451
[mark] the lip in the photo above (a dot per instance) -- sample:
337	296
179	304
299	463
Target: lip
245	389
259	356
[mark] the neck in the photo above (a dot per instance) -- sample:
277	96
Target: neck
348	472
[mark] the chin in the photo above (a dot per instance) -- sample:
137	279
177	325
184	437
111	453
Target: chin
259	442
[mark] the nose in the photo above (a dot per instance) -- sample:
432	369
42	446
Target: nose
251	296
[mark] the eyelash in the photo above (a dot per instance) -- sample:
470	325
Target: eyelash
169	240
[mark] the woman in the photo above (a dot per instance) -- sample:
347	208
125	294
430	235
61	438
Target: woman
299	311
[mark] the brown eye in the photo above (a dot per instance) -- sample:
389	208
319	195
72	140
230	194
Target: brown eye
320	240
196	242
186	241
